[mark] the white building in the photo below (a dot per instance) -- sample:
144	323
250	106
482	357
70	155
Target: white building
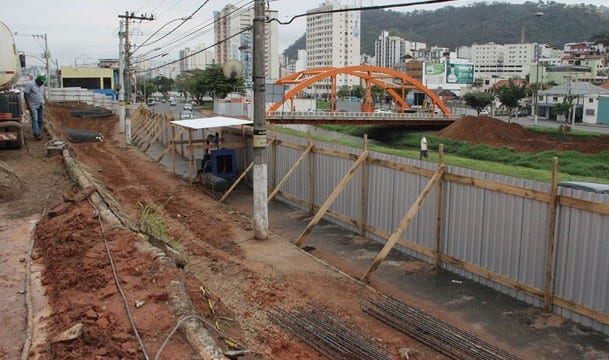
390	50
197	58
503	61
299	64
231	20
333	40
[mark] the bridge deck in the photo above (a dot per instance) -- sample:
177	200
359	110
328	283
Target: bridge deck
361	118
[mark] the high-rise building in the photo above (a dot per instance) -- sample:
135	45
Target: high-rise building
228	23
389	51
333	40
197	58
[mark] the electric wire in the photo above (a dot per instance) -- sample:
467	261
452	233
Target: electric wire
203	28
361	8
118	282
197	52
177	26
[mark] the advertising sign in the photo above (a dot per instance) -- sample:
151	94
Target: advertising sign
433	74
460	74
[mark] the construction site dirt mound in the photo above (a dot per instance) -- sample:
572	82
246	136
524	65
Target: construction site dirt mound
497	133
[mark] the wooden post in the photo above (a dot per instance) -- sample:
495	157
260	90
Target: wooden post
548	293
339	188
412	212
190	154
439	209
173	146
364	190
311	183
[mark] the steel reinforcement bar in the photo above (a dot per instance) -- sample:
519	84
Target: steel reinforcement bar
437	334
324	332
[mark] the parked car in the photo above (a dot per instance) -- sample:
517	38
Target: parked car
522	113
188	107
150	102
186	114
483	113
172	102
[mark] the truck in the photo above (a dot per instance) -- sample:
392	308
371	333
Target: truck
11	100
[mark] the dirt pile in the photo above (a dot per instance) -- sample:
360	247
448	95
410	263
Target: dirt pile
498	133
10	184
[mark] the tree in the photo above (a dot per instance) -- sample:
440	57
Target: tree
164	84
344	91
478	100
511	94
209	82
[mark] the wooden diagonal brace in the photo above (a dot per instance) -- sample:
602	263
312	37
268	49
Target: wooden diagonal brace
287	175
339	188
412	212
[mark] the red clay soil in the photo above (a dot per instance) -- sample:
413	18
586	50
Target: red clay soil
213	237
493	132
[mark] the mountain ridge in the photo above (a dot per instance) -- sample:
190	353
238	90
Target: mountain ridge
481	23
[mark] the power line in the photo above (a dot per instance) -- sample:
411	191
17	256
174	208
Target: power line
361	8
203	28
178	42
179	25
200	51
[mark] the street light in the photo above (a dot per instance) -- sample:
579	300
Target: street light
537	15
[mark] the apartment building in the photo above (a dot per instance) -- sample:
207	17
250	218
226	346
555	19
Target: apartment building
389	51
333	40
231	23
197	58
504	61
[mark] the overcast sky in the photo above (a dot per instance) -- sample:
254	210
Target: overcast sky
82	31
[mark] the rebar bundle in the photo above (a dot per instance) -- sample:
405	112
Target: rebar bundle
325	333
437	334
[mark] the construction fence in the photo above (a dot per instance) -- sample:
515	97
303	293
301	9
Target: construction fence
535	241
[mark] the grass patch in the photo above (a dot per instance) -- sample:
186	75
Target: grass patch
533	166
150	224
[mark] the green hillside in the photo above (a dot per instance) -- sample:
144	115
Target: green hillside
501	23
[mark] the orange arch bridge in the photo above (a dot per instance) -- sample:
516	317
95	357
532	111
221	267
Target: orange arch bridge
372	75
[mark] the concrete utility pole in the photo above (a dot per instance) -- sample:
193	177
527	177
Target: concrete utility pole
121	80
260	220
128	95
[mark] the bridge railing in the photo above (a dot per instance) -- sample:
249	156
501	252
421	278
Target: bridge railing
360	115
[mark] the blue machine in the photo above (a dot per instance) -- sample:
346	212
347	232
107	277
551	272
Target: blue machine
224	163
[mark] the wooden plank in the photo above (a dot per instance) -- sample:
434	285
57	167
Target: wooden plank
363	192
236	182
548	289
500	279
191	155
401	167
576	308
311	183
144	136
584	205
155	138
289	173
439	208
336	153
171	145
150	123
234	145
339	188
498	187
412	212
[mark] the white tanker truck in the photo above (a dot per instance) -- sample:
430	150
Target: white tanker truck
11	103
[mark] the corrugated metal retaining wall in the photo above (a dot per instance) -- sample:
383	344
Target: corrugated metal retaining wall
488	230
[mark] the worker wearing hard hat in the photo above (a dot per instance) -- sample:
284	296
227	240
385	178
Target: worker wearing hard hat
34	99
